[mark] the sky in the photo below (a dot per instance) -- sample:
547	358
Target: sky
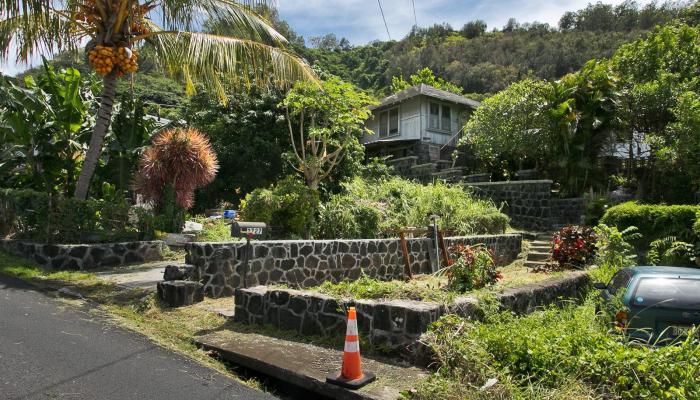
361	22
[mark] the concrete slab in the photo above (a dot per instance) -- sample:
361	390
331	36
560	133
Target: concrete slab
307	366
143	276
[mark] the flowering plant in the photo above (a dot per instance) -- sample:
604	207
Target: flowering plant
574	246
471	267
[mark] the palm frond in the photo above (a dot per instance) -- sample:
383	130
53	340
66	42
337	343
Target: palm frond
211	59
25	8
38	34
234	15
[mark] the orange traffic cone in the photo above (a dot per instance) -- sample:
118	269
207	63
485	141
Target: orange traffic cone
350	375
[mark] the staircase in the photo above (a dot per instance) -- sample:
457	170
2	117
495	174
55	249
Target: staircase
539	255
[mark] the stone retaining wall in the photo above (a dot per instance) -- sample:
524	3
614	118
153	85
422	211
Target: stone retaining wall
395	324
221	267
527	202
85	256
568	211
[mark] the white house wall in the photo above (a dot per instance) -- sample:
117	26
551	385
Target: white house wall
413	116
437	136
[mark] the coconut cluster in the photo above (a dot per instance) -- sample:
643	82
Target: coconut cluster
105	59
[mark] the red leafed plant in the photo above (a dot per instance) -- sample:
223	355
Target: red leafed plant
181	160
573	246
471	267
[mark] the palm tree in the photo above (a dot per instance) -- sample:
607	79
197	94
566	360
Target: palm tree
251	51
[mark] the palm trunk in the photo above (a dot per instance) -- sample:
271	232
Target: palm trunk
104	118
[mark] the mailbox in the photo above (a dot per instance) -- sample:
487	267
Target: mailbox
248	229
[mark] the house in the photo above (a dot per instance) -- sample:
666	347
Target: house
419	126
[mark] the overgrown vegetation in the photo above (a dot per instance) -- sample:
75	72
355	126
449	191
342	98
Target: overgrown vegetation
52	218
557	352
370	208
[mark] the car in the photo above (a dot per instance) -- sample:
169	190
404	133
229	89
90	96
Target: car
653	304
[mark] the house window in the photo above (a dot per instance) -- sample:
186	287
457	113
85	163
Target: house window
389	122
446	119
393	121
434	120
440	117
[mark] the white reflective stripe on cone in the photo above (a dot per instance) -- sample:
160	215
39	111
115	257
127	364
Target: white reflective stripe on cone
352	347
352	328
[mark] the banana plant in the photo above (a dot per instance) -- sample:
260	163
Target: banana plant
251	51
43	128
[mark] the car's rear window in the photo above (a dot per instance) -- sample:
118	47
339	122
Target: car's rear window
668	292
620	280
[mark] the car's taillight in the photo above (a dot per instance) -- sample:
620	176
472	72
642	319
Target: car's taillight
621	319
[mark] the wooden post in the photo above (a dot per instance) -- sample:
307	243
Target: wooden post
408	274
443	249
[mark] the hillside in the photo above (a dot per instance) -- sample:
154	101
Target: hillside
482	61
479	60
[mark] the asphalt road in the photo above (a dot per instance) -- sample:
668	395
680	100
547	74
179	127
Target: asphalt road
49	350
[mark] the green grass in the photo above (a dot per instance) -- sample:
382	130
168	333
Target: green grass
428	287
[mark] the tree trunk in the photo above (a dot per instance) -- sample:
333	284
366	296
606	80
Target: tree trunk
104	118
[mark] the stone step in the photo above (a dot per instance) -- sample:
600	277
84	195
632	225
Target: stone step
538	256
541	249
535	264
540	243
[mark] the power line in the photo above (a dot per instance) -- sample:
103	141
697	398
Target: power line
415	18
385	25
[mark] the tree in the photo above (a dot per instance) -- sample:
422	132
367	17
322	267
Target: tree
585	114
177	163
329	121
426	76
249	139
116	28
659	72
473	29
513	124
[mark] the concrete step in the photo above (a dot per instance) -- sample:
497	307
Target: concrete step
535	264
306	366
540	249
540	243
538	256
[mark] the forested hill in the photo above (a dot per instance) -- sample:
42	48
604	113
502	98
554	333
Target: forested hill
480	59
484	60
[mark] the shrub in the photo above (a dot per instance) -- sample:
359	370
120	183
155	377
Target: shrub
289	206
573	246
49	218
613	251
398	203
471	267
339	218
670	251
653	221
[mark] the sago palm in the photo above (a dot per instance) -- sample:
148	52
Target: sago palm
252	52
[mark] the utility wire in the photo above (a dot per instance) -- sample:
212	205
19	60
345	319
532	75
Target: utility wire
415	18
385	25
